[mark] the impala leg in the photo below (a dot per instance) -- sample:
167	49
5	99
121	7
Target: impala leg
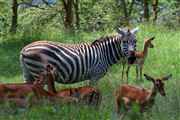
120	106
141	72
127	72
123	66
136	72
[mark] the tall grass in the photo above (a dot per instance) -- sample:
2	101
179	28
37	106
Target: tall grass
163	59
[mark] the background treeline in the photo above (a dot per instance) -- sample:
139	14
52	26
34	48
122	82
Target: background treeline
86	14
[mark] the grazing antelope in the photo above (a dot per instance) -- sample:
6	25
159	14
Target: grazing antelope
87	94
126	94
140	59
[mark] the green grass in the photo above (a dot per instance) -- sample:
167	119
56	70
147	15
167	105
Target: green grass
163	59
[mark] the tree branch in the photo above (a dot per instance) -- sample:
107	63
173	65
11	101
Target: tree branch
24	3
46	3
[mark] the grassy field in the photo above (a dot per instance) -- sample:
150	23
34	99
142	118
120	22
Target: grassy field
163	59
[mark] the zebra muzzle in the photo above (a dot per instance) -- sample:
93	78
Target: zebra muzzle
131	58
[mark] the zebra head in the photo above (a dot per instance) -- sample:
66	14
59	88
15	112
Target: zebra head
128	43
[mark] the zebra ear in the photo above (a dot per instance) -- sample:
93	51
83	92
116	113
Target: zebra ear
135	30
119	30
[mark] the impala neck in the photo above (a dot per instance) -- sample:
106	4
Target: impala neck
145	50
152	94
51	85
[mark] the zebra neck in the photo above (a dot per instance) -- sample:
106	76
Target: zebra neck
112	51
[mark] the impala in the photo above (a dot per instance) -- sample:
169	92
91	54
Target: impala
87	94
126	94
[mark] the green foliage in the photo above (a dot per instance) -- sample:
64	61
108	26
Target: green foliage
94	15
170	14
162	59
101	15
4	17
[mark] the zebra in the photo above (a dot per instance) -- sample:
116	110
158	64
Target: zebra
78	62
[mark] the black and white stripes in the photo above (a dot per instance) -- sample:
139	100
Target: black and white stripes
76	62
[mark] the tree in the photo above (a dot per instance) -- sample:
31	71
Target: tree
155	9
127	13
76	8
146	10
15	6
14	16
68	7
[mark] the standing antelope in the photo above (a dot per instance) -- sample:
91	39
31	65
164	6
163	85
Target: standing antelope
78	62
126	94
87	94
140	59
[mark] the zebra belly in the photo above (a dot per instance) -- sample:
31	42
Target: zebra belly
71	69
70	81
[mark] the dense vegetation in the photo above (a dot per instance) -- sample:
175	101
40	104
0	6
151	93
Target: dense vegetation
97	19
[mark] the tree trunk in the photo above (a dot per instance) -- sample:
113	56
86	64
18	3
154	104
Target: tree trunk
69	14
76	6
14	16
126	16
146	10
155	10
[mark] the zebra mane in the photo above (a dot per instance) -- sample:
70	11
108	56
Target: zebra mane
104	39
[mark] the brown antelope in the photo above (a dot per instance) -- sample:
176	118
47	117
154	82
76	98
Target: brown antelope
25	94
140	59
126	94
87	94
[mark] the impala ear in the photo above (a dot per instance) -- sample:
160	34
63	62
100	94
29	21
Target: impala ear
167	77
119	30
149	77
151	38
135	30
48	68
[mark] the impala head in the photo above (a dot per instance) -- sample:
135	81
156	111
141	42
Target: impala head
158	83
148	42
47	75
128	43
75	94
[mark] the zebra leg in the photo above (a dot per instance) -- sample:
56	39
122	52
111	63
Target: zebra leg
127	72
27	77
93	82
123	66
95	76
